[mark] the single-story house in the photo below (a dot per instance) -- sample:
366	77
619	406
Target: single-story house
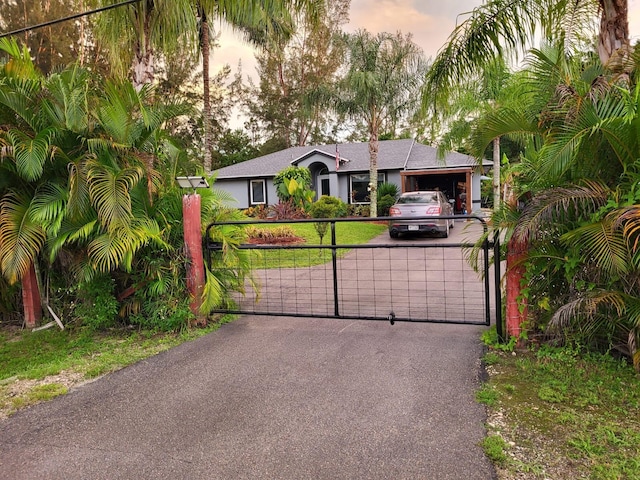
343	171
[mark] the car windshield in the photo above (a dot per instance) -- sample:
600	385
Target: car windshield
427	197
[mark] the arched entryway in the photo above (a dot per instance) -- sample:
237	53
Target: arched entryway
320	179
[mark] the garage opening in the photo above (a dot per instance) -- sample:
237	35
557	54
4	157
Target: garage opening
455	185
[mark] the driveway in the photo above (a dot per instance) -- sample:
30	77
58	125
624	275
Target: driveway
270	398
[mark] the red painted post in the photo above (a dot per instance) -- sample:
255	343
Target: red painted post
193	249
516	307
31	303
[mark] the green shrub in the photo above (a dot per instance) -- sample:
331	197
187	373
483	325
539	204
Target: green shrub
163	313
97	306
326	207
277	234
384	204
257	211
358	210
293	184
387	188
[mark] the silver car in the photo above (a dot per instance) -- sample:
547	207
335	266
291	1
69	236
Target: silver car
421	204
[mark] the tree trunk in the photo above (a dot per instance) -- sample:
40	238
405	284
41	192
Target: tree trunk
143	69
206	111
614	29
496	173
144	59
373	173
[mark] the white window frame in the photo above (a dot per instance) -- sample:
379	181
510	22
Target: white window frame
382	177
264	192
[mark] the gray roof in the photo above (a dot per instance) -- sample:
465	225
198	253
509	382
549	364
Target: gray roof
405	154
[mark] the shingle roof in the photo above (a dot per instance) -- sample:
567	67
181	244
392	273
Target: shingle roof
405	154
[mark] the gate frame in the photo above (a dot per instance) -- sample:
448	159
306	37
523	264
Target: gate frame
487	244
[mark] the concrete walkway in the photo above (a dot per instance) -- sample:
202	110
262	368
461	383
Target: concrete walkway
270	398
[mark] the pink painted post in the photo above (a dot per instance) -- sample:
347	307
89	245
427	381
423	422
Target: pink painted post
193	249
516	313
32	305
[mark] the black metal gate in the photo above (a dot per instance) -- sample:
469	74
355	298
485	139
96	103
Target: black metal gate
417	279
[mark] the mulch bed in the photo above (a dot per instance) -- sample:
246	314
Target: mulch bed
276	241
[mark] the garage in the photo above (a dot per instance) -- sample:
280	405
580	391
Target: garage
456	184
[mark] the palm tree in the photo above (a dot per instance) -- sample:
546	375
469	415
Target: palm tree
381	85
493	88
73	162
150	28
504	28
580	174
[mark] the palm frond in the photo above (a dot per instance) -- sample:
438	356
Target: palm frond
72	234
31	153
587	306
109	191
602	245
49	203
21	236
559	205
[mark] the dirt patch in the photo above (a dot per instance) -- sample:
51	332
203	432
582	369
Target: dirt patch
17	391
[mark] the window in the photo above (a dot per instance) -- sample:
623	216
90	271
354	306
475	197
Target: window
360	186
324	186
257	191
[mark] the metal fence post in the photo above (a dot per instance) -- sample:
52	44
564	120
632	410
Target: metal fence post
334	263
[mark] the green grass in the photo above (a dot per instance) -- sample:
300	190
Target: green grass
347	233
563	414
494	447
27	356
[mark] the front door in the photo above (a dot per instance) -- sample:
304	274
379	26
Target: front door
323	185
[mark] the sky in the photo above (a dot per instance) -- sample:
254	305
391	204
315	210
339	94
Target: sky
429	21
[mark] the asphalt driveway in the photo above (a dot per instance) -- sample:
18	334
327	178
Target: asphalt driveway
270	398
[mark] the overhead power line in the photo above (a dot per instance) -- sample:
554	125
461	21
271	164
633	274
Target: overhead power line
72	17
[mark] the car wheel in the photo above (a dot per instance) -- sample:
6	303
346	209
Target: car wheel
453	223
446	231
394	234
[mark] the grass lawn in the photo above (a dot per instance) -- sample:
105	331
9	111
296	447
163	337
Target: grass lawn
555	414
37	366
347	233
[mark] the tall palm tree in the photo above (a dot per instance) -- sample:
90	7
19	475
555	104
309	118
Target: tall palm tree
381	85
138	33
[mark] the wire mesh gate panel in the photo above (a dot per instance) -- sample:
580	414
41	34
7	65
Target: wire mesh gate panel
419	280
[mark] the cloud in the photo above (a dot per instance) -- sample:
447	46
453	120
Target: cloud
430	25
430	22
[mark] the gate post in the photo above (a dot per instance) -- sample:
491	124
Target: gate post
193	250
516	313
31	298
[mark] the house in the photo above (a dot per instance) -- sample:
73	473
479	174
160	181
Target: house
343	171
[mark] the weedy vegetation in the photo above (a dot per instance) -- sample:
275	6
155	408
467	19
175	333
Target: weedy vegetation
561	413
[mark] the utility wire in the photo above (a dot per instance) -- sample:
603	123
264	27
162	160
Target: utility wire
72	17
